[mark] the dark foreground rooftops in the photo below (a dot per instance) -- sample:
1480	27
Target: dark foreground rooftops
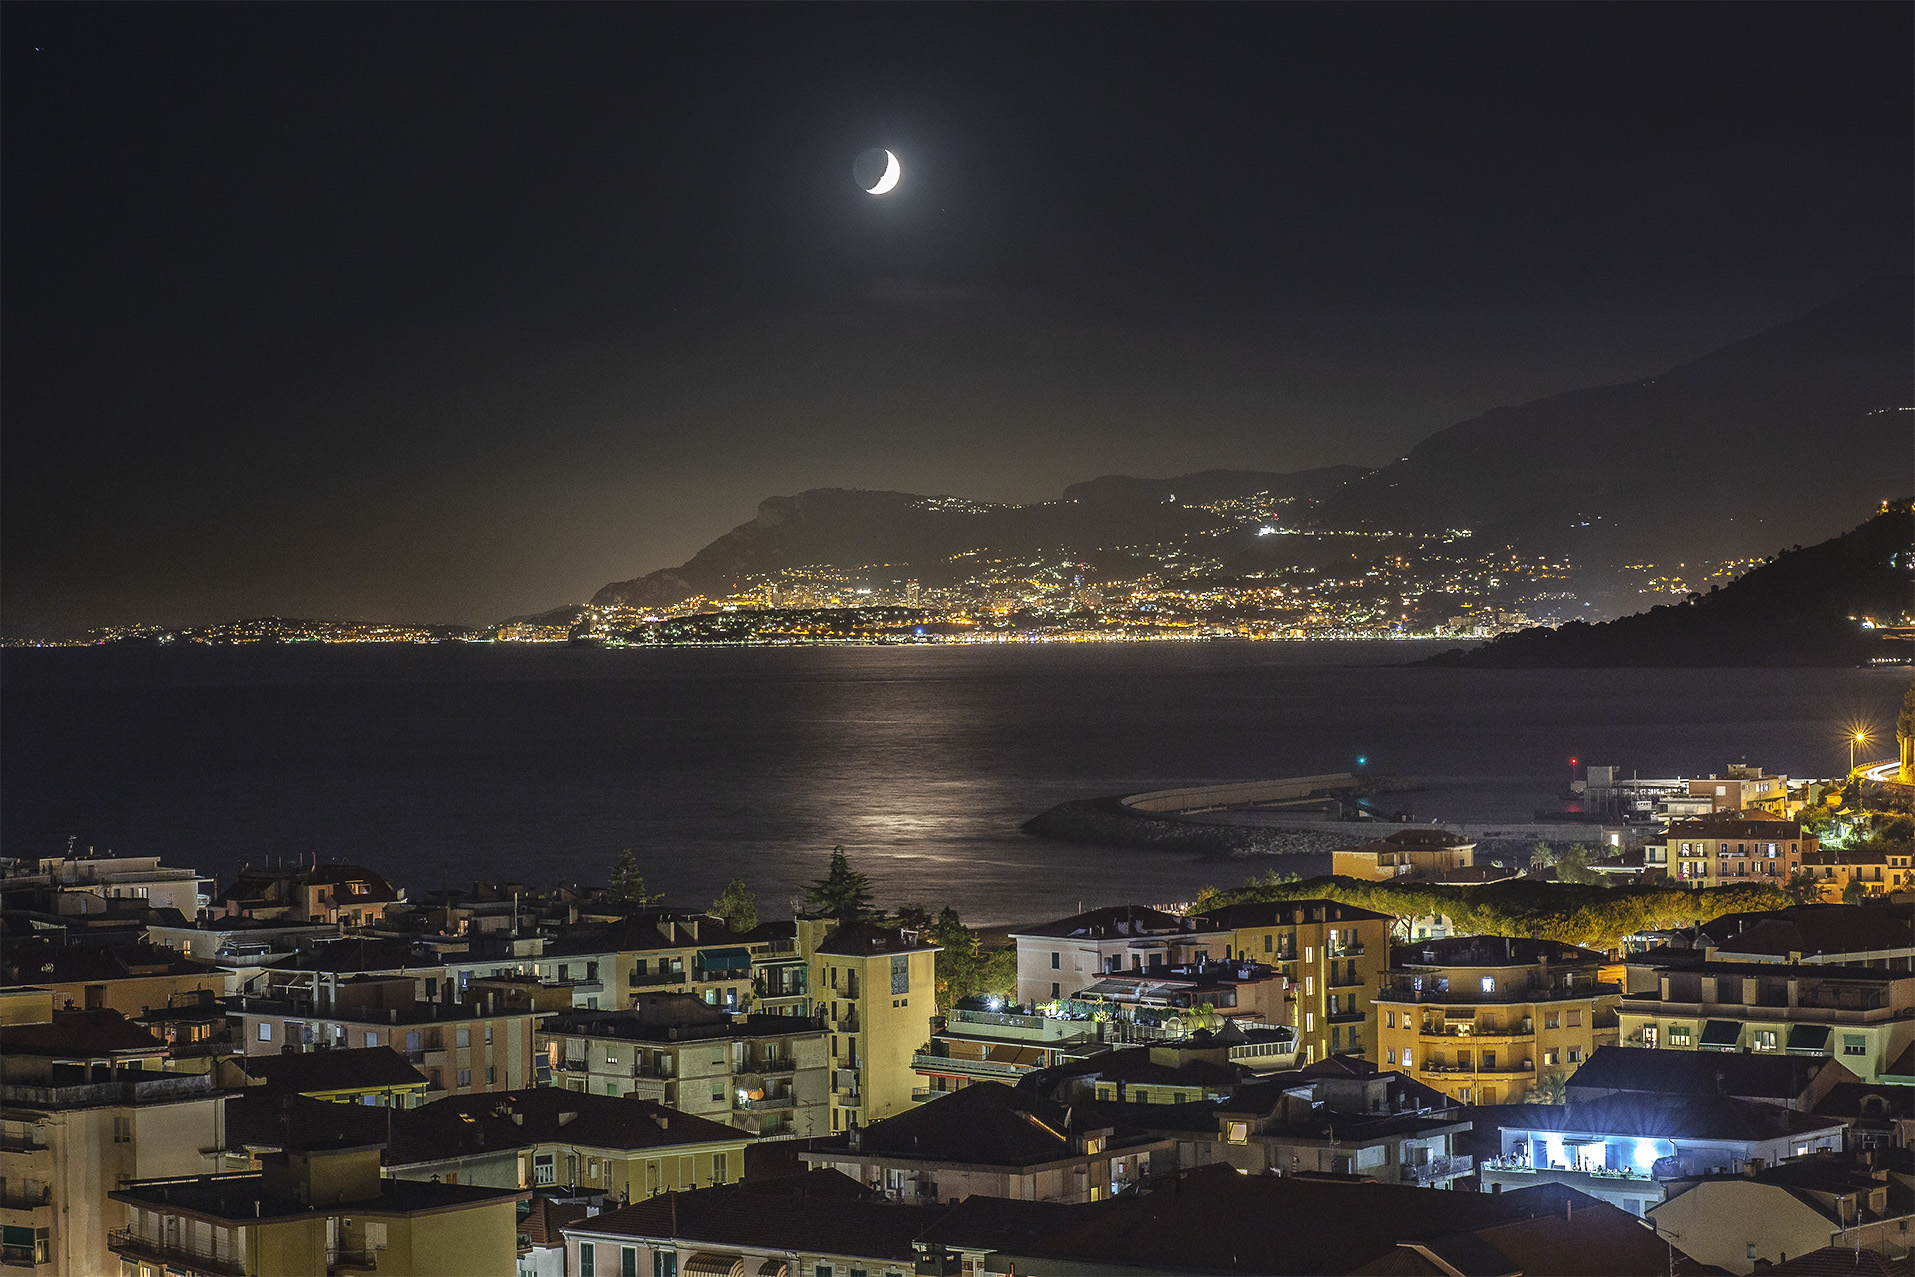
346	1069
1771	1078
818	1212
1201	1221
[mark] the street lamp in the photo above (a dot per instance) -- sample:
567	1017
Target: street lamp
1855	738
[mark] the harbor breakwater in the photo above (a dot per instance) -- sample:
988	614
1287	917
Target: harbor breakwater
1236	826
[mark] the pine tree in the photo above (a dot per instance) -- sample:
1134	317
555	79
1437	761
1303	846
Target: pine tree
628	882
737	906
843	893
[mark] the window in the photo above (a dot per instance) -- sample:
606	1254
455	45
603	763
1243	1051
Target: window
664	1263
488	1035
432	990
1055	993
465	1077
463	1037
1140	1095
1679	1035
1056	961
491	1074
1309	984
1389	1019
1489	984
1268	942
1854	1044
1575	1019
719	1168
1552	1020
1549	1059
1575	1055
1239	1133
628	1261
265	1031
1765	1039
900	974
1389	1055
587	1260
1649	1035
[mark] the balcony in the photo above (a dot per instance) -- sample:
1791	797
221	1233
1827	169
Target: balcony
769	1104
1439	1168
846	1023
571	1065
22	1144
770	1068
1345	1017
352	1261
20	1257
844	1083
950	1066
125	1241
1485	1034
1348	980
1354	950
12	1197
656	979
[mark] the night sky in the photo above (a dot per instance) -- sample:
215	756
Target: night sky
448	312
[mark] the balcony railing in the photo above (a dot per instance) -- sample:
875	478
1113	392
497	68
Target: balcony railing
128	1242
352	1260
653	979
1445	1167
20	1257
770	1102
21	1144
924	1062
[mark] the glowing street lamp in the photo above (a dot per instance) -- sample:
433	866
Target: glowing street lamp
1857	737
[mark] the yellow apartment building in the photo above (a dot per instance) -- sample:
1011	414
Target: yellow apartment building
318	1210
1482	1018
877	987
1407	853
1332	953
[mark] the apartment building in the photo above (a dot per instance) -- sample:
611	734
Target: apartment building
1332	954
1712	851
1481	1018
1741	788
986	1040
1862	1016
1059	958
765	1074
1407	853
1344	1117
339	895
319	1210
73	885
460	1047
996	1140
1845	874
131	980
877	989
71	1136
542	1137
655	951
1745	1223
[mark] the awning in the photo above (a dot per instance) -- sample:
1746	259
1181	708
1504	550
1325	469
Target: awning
1808	1039
1720	1035
773	1268
715	1265
723	959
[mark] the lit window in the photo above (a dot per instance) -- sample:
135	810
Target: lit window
1489	984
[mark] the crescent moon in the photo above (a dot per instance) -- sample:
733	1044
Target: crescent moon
891	174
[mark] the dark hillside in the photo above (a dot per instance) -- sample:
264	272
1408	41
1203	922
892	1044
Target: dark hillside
1803	607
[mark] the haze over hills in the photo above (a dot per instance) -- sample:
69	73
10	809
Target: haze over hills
851	528
1784	437
1830	604
1781	438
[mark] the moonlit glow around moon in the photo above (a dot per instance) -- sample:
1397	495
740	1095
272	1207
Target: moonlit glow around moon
891	174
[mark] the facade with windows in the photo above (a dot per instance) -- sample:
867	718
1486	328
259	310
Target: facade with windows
812	1225
766	1074
1862	1016
876	989
1716	851
1331	954
461	1047
1482	1018
1058	959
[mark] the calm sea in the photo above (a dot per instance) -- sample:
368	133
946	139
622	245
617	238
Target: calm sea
539	764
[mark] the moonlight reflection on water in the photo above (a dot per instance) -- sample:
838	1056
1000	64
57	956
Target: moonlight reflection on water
539	764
